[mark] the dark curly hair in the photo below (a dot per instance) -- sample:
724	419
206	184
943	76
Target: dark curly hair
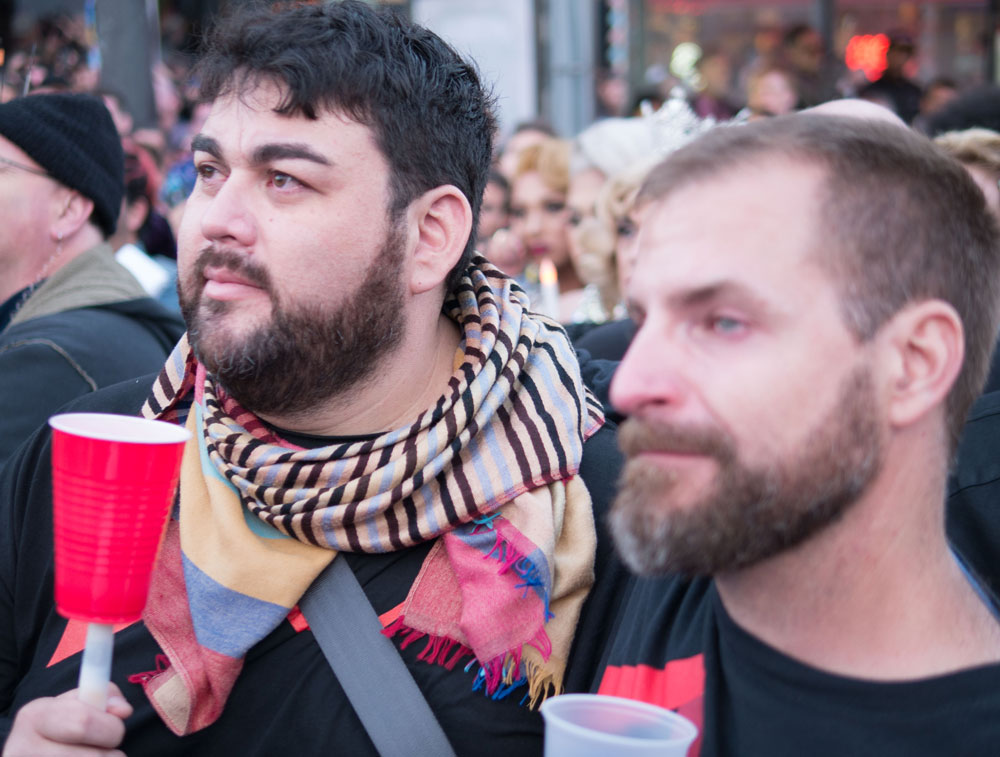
429	112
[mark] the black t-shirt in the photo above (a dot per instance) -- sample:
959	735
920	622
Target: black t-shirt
677	647
286	699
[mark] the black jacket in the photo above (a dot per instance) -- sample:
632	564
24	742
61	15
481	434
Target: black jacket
45	362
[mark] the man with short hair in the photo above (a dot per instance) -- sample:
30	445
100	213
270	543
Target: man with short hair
795	393
355	382
71	319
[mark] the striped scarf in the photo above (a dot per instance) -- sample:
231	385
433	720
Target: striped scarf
489	472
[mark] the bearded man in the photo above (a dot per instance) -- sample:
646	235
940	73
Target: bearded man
816	300
356	382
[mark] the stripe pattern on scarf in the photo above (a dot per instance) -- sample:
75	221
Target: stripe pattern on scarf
494	453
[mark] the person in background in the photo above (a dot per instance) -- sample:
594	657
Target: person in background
979	151
713	98
71	319
938	93
796	392
803	52
156	273
360	386
770	92
766	53
893	86
977	108
525	135
539	219
496	207
623	150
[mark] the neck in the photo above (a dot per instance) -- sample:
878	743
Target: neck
876	595
401	387
44	260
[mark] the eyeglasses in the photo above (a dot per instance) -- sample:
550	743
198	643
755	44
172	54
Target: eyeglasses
29	169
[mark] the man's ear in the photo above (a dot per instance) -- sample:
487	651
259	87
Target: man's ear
443	220
926	348
71	210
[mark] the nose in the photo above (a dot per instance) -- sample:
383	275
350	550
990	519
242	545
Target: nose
649	378
532	222
227	218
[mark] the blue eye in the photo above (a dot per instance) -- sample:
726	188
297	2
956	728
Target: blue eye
726	326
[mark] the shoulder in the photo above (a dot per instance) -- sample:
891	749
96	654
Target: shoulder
80	322
125	398
608	341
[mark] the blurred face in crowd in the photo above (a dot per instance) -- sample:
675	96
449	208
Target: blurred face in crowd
626	237
715	72
772	93
584	187
936	97
27	197
896	59
539	217
805	53
290	269
753	414
493	213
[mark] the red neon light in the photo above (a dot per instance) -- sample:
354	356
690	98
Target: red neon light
866	52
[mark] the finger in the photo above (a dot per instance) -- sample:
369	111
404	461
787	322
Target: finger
70	721
117	704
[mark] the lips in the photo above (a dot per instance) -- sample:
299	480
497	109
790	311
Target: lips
226	284
538	250
227	276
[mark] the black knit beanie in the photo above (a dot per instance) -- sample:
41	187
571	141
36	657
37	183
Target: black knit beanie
74	139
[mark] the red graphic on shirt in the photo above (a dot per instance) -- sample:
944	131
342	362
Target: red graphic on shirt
74	638
679	686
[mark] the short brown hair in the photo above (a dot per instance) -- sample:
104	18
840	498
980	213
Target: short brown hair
900	222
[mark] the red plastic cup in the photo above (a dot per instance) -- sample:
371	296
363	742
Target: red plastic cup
113	482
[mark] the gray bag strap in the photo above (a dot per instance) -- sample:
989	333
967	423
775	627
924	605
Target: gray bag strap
367	665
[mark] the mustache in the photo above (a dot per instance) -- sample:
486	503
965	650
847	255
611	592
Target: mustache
638	435
221	257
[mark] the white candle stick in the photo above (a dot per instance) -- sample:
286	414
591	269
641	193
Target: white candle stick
95	668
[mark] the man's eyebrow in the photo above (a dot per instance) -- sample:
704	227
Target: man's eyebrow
706	293
201	143
286	150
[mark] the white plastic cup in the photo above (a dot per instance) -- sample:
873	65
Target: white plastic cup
594	725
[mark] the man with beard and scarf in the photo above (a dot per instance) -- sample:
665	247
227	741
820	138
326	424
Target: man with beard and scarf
359	387
795	393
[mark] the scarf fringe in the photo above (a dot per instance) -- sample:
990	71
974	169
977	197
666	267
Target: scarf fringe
542	683
439	650
500	676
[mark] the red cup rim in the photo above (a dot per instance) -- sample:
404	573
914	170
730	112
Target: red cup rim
119	428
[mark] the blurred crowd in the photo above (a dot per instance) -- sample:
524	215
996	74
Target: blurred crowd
556	212
58	55
562	203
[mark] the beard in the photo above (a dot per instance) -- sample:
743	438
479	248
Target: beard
305	354
748	513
